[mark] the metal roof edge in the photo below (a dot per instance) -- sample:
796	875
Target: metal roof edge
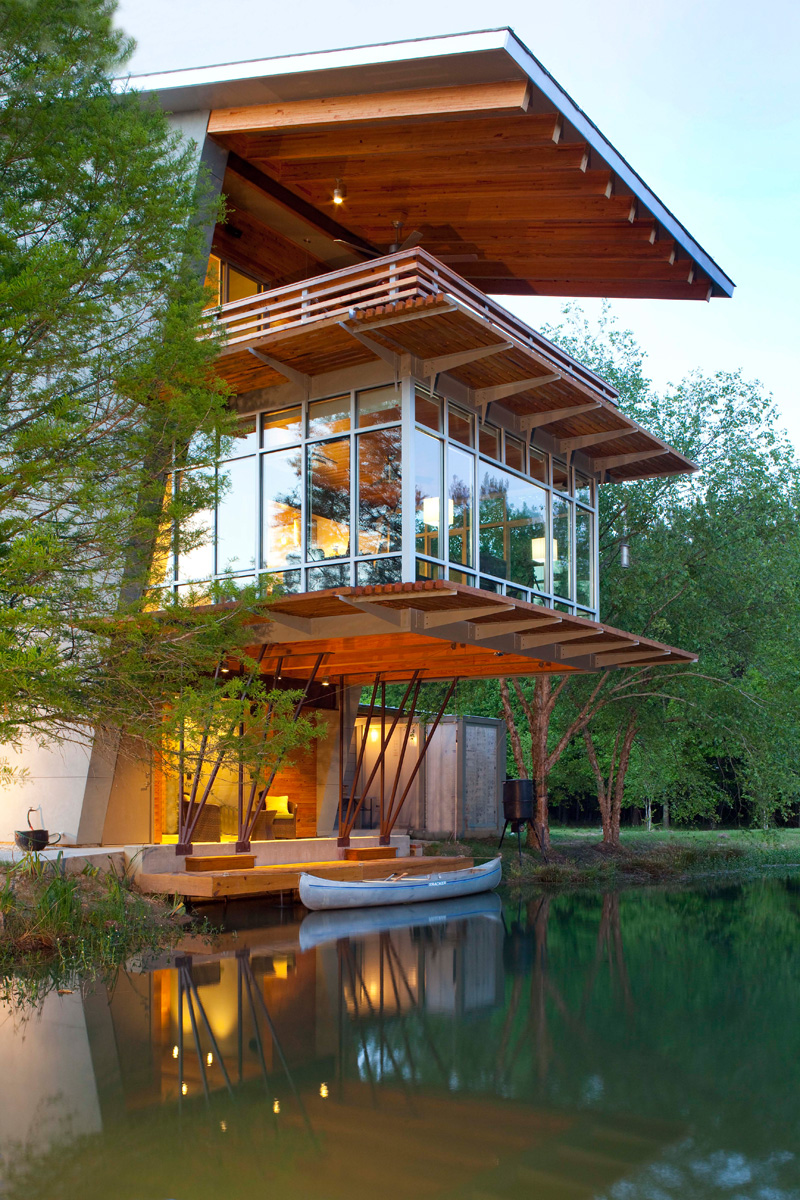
317	60
552	89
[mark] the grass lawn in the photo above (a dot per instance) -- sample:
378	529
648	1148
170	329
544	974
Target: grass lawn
577	856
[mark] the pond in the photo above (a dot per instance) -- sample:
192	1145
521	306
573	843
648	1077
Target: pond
634	1044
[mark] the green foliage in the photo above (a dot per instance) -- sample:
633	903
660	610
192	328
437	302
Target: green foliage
716	570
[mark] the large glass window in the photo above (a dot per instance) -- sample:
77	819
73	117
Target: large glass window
562	512
282	515
236	516
460	505
460	425
379	491
513	527
281	428
378	406
428	494
328	499
583	558
329	416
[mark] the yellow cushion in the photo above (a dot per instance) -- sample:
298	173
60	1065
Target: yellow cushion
279	805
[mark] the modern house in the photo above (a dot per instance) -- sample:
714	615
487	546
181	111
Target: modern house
416	468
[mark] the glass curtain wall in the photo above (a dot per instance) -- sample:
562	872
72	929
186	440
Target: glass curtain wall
520	522
309	498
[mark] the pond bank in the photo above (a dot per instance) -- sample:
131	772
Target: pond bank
53	922
577	857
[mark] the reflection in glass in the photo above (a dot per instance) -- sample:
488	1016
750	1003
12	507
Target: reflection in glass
378	406
281	499
537	464
428	492
513	528
329	416
561	546
240	286
461	577
583	488
281	581
560	475
517	593
379	570
244	439
236	516
427	570
196	540
490	585
318	578
515	453
428	411
460	425
489	441
379	492
583	557
281	428
329	499
213	281
460	504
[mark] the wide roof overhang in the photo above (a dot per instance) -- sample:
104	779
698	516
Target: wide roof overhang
467	139
424	320
441	630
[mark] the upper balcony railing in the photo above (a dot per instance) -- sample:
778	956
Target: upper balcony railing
407	275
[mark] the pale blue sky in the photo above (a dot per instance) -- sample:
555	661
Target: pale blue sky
702	96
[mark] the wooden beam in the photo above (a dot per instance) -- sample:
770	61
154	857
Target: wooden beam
594	439
432	620
498	628
596	647
623	658
536	420
432	310
501	391
288	372
376	106
624	460
529	641
392	357
446	362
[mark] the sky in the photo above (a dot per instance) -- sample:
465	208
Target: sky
701	96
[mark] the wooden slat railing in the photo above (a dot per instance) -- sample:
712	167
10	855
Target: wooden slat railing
406	275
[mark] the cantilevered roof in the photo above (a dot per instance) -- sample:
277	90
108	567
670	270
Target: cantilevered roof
466	139
441	630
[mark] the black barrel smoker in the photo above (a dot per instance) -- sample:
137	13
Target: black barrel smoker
518	798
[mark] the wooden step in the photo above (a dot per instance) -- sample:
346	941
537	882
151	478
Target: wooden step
368	853
220	862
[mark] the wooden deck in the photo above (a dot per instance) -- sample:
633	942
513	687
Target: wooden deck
264	881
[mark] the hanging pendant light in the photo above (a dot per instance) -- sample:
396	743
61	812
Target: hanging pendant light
339	192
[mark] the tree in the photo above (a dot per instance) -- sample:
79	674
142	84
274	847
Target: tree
715	569
107	383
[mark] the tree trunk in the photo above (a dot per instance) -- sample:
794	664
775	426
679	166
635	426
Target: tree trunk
610	790
666	814
513	732
542	711
603	787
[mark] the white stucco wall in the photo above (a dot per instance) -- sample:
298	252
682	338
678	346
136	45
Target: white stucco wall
55	787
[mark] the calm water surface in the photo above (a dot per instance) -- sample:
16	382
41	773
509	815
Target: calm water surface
626	1045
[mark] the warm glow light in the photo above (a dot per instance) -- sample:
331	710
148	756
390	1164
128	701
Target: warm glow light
539	549
323	1091
412	737
175	1052
430	511
209	1058
184	1088
374	734
276	1106
223	1126
339	192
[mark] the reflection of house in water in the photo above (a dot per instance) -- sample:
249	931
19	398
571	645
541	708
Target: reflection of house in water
319	1060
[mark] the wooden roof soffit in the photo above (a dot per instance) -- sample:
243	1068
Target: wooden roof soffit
506	96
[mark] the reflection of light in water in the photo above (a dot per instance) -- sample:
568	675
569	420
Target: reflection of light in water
276	1106
223	1126
184	1088
323	1091
175	1051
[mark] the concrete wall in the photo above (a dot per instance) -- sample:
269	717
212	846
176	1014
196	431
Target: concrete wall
54	785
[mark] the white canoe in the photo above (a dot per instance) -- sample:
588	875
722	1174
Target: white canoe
317	893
